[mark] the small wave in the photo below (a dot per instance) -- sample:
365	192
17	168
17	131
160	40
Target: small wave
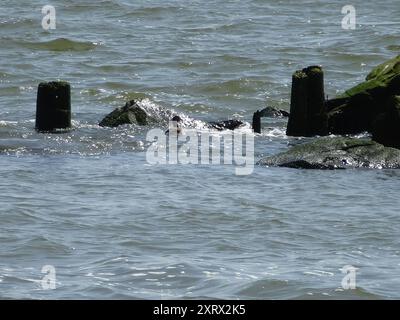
238	26
337	294
4	74
161	114
17	22
295	290
274	133
78	6
112	96
7	124
40	244
10	90
156	10
15	89
269	289
395	48
237	86
222	28
62	44
239	59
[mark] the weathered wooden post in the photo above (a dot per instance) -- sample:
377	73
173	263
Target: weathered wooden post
308	112
298	125
53	106
257	122
317	116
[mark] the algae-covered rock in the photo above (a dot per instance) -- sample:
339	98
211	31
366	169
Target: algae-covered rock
356	110
383	80
131	113
386	69
336	153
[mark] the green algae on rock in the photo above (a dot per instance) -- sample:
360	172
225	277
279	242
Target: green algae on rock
336	153
356	109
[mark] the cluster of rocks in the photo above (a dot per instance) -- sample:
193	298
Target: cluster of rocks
136	113
372	106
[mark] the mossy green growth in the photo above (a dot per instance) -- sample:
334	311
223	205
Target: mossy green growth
387	68
54	85
299	74
383	79
313	70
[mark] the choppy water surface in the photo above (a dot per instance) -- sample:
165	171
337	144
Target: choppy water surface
113	226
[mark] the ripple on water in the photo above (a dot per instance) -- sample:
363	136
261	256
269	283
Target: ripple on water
60	44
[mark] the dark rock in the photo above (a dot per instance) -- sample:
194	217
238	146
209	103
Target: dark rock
226	124
336	153
144	112
356	110
131	113
386	127
176	119
271	112
284	113
268	112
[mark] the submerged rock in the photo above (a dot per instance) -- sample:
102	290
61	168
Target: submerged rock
271	112
356	110
336	153
225	125
131	113
268	112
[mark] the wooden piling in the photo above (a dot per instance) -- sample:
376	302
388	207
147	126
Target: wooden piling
257	122
308	111
53	106
297	124
316	109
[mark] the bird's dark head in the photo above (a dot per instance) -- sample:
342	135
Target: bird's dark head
176	118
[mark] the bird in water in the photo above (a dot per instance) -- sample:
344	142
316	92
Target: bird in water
174	124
